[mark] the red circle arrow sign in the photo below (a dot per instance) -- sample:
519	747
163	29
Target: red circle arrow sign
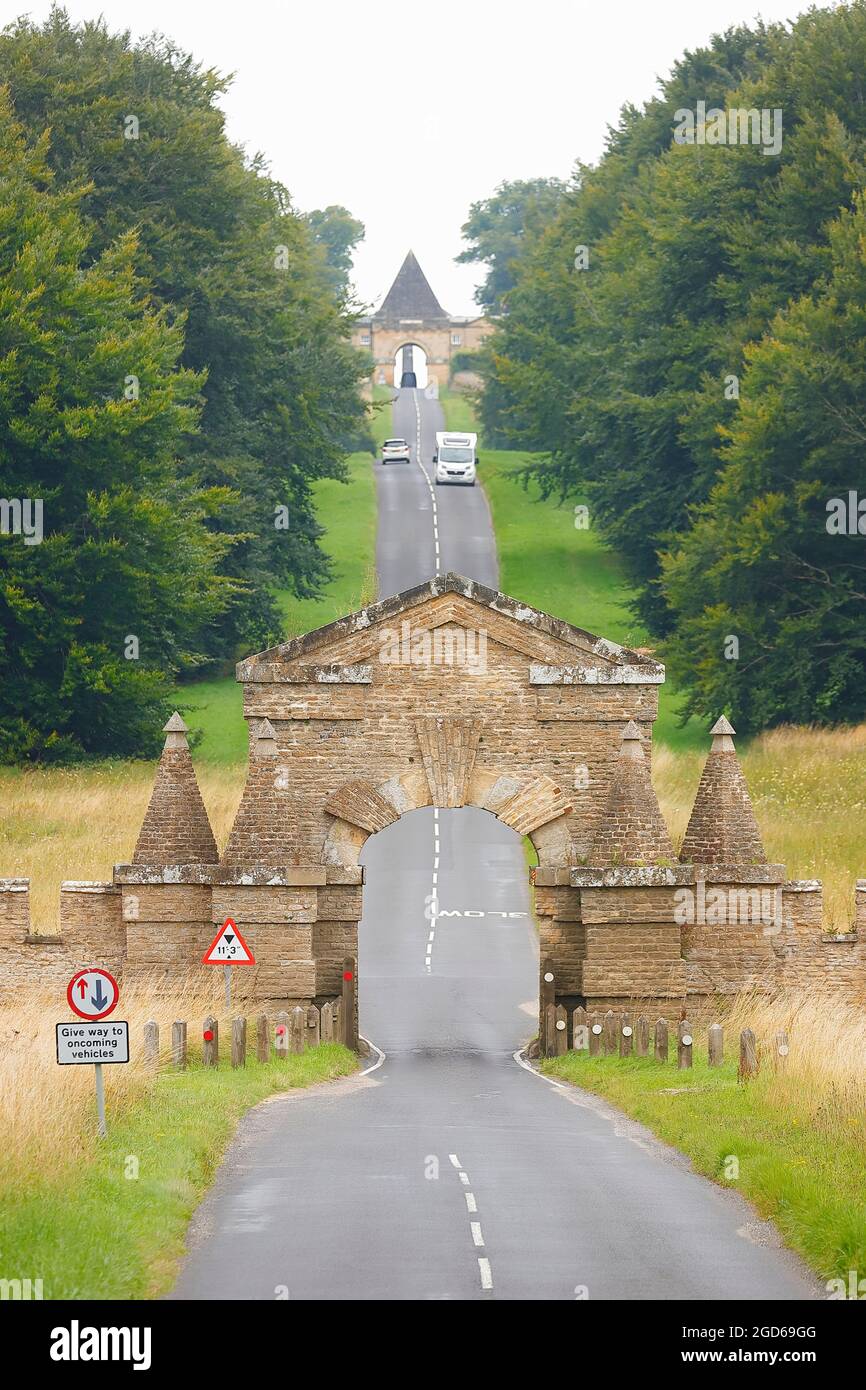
92	993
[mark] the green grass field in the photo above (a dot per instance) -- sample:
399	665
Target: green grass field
807	1180
347	511
114	1226
561	568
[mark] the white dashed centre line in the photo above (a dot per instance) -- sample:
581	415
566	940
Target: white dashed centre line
433	897
484	1270
428	480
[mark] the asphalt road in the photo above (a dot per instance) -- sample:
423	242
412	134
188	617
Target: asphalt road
448	1170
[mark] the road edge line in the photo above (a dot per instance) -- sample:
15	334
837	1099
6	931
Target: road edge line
376	1065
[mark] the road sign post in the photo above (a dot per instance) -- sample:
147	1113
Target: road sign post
100	1101
92	994
228	948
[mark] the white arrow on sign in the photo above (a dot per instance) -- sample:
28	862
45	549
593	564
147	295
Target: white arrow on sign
228	947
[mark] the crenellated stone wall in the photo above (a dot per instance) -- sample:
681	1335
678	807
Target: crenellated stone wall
545	726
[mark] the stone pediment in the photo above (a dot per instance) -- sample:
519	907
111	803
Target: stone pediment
345	651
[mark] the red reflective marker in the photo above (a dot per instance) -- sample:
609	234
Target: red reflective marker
281	1028
208	1035
347	975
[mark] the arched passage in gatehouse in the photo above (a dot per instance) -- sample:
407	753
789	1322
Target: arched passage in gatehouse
410	366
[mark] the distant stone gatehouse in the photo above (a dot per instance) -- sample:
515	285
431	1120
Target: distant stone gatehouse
550	732
411	316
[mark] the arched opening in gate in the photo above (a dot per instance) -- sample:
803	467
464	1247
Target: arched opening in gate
447	947
410	366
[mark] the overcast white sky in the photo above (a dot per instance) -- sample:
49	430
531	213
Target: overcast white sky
407	112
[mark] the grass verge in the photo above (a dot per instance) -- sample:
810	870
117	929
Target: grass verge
107	1218
791	1141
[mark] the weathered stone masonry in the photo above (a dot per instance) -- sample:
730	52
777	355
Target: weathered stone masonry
349	729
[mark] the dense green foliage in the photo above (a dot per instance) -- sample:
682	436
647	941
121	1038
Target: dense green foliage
244	305
120	547
698	379
336	233
495	230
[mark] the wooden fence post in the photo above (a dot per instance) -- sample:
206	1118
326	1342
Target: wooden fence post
350	1004
748	1055
178	1044
782	1050
608	1045
298	1032
210	1048
547	996
281	1033
550	1030
715	1045
326	1015
661	1040
314	1024
239	1042
626	1033
596	1031
263	1038
151	1043
560	1031
641	1036
579	1030
684	1045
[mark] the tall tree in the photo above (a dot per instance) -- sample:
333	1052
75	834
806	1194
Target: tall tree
769	585
627	367
495	230
107	565
336	232
139	124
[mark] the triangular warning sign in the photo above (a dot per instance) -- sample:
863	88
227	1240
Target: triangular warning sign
228	947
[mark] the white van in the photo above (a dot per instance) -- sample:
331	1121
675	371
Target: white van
455	459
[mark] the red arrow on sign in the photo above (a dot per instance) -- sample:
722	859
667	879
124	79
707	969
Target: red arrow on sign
228	947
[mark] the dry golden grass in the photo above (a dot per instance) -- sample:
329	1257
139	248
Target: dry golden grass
47	1113
77	823
822	1081
809	794
807	785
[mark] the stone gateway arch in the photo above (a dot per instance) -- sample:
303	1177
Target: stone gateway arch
411	316
450	694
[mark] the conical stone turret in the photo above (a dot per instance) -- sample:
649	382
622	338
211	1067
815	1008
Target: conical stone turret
722	828
176	829
260	834
632	830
